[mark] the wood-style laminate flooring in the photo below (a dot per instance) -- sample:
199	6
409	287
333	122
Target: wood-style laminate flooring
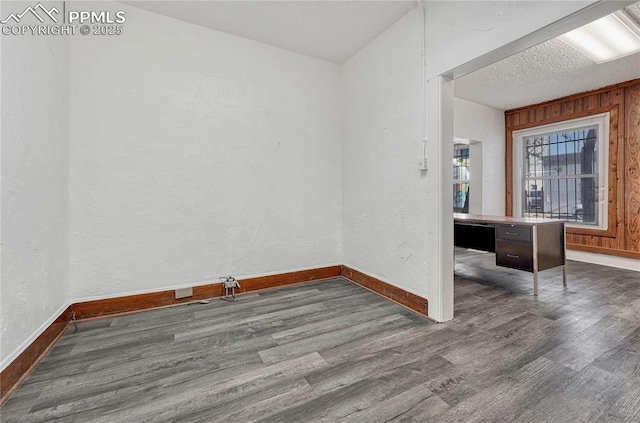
332	351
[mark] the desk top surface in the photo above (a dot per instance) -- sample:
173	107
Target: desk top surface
477	218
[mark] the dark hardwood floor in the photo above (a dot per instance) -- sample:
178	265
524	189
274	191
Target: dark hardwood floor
332	351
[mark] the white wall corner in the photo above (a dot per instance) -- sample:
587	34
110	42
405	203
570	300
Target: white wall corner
440	228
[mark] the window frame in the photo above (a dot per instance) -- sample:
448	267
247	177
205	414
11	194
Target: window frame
602	122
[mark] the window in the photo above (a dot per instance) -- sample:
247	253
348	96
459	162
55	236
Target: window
560	171
461	178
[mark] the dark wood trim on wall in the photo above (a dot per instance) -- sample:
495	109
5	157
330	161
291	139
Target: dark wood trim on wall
262	282
138	302
117	305
622	101
19	368
391	292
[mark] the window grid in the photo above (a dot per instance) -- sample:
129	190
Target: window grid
561	175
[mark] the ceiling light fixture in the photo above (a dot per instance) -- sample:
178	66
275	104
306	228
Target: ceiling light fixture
606	39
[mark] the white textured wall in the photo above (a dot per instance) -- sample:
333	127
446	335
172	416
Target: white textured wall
385	196
478	122
196	154
393	223
35	147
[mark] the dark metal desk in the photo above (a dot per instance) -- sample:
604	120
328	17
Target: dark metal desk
522	243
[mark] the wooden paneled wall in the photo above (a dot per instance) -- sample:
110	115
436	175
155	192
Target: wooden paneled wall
622	101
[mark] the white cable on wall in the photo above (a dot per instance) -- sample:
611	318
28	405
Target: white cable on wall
424	165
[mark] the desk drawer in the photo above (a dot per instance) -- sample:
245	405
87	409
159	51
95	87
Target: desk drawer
514	255
513	233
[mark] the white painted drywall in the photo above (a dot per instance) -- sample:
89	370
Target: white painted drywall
440	202
393	223
478	122
197	154
386	204
35	150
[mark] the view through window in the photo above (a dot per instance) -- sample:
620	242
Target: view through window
562	176
461	178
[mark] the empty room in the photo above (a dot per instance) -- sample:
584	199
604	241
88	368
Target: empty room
320	211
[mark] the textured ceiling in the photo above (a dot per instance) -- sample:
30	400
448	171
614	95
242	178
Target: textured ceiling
330	30
545	72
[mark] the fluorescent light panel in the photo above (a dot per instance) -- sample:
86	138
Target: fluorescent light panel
606	39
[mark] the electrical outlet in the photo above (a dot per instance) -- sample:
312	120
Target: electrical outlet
184	293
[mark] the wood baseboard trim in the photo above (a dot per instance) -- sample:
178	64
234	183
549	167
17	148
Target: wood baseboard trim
608	251
272	281
132	303
140	302
398	295
12	376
